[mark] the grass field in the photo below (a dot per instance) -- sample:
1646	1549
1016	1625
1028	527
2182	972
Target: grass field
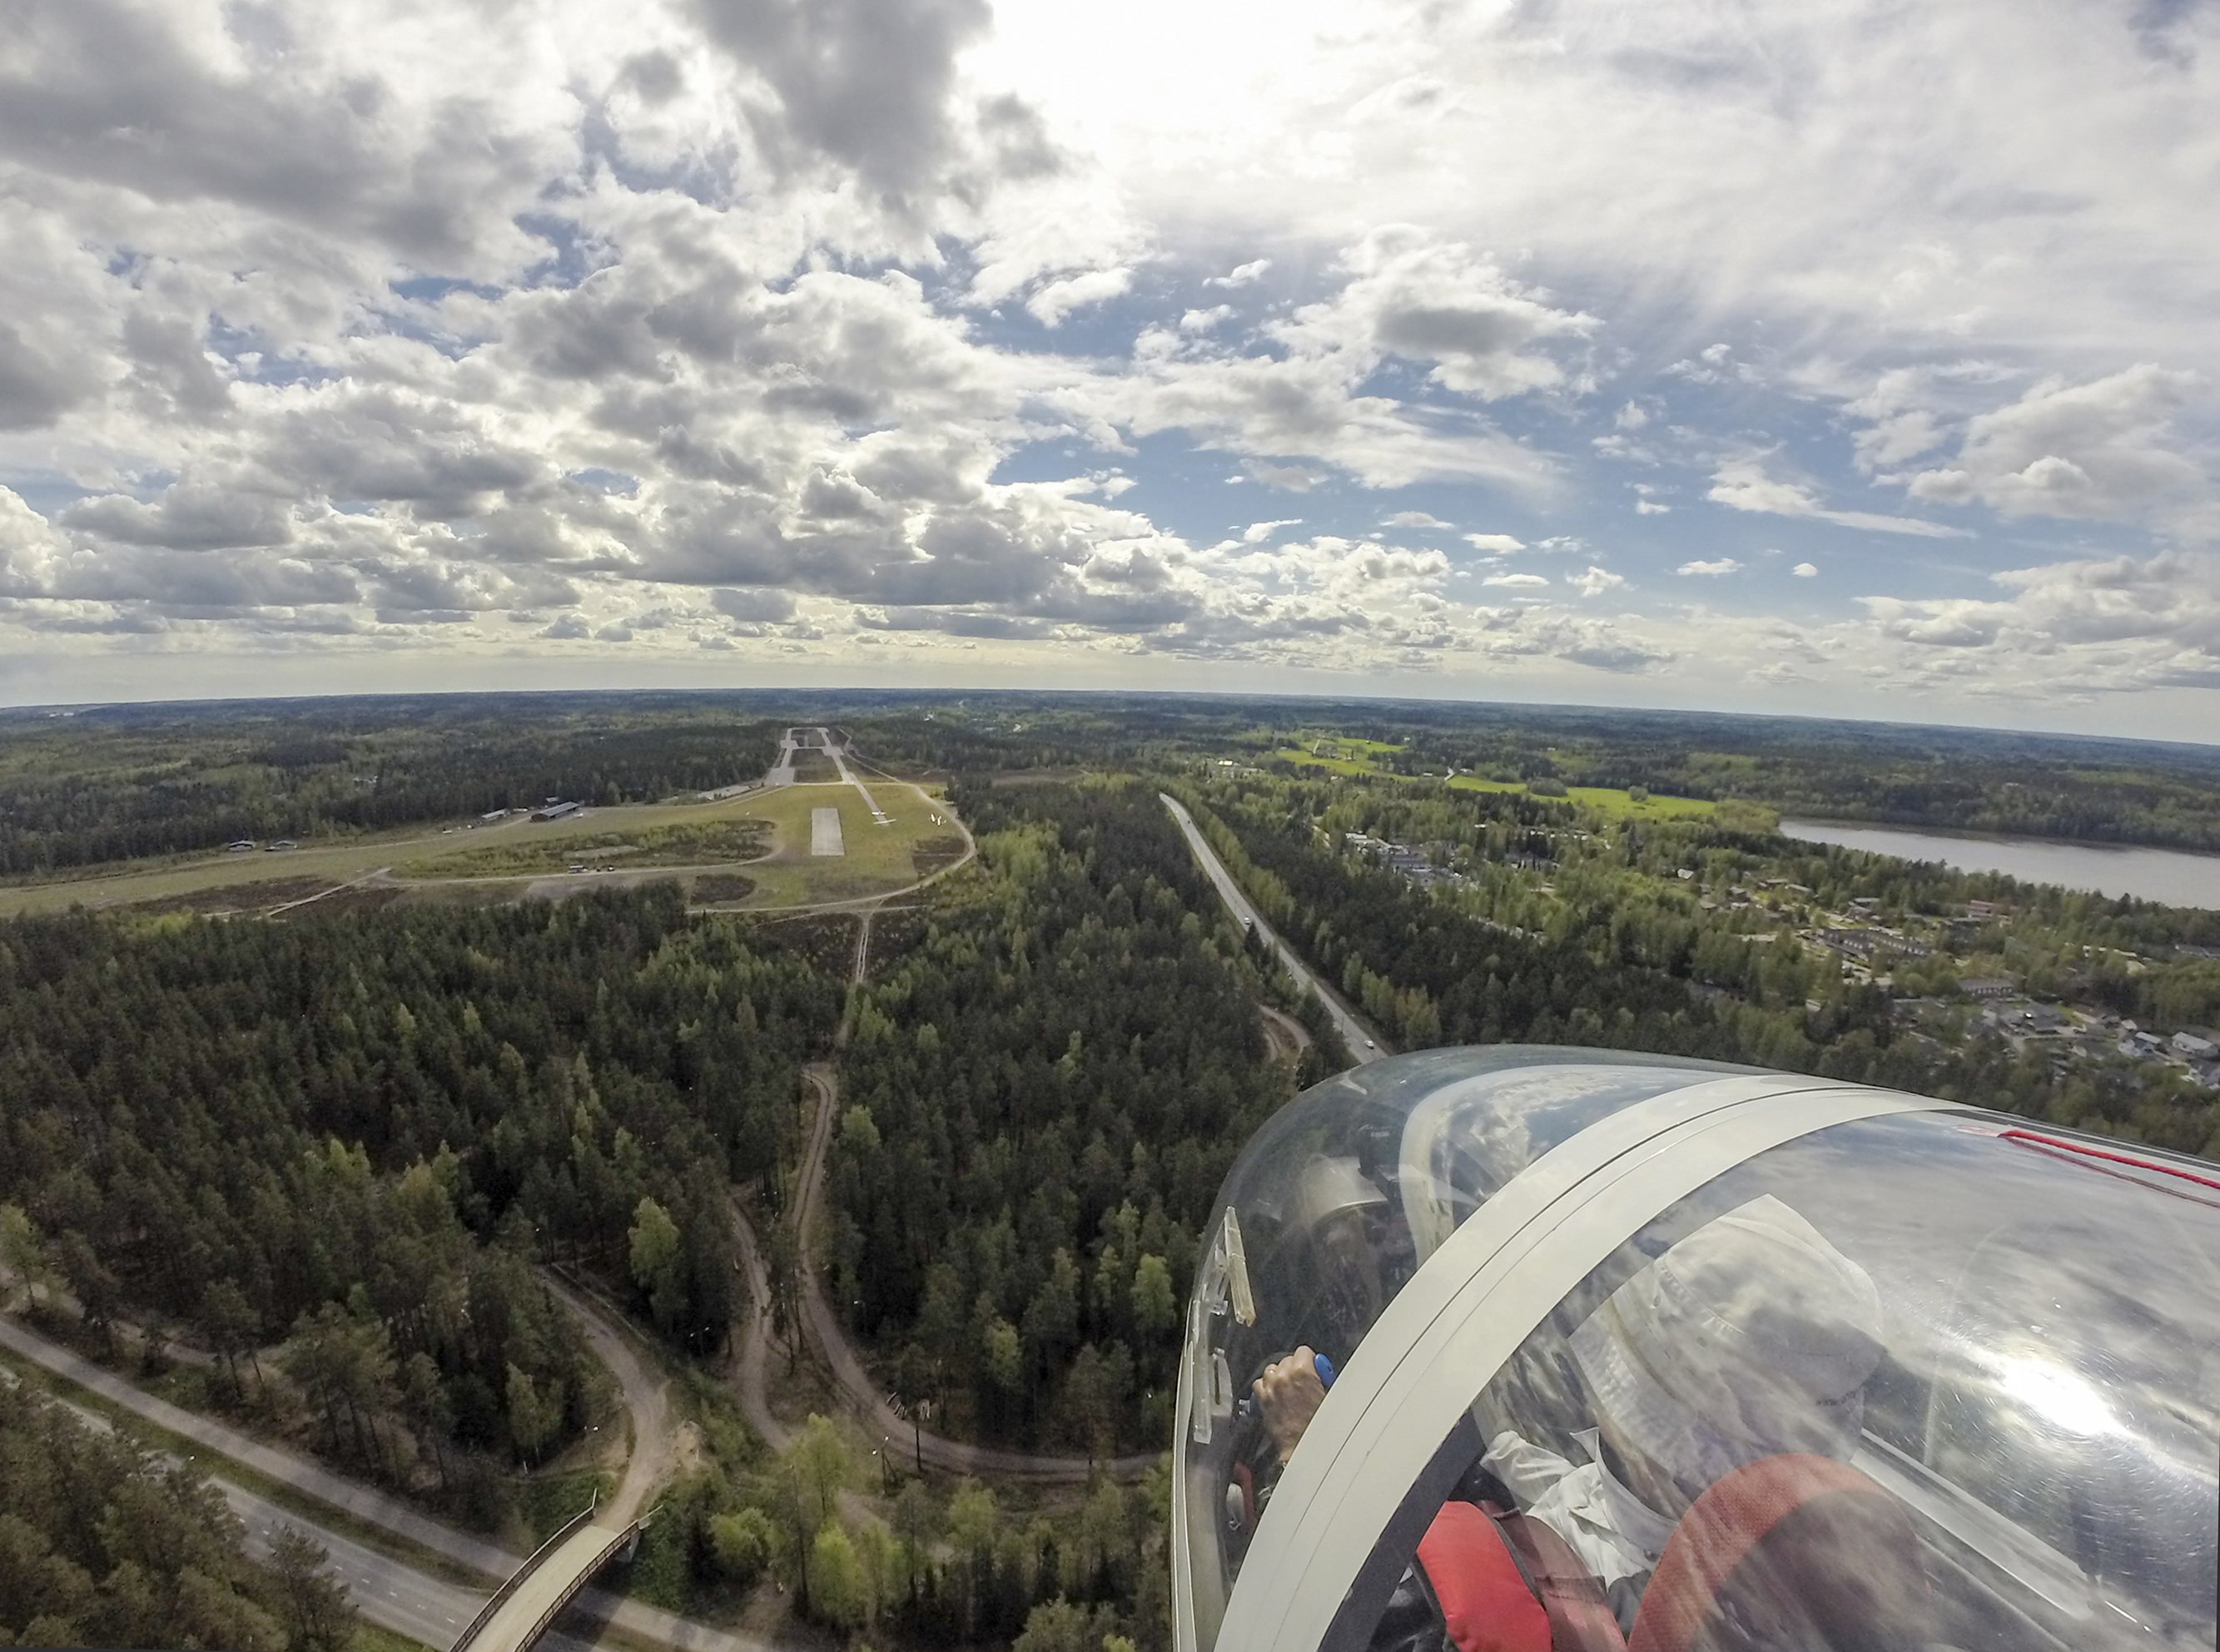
1334	765
878	858
767	831
1608	800
694	843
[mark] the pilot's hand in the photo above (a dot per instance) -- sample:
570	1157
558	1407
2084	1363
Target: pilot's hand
1288	1395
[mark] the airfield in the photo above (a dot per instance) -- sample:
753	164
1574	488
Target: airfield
750	852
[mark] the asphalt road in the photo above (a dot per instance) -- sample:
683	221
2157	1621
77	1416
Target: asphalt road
1362	1042
273	1462
390	1592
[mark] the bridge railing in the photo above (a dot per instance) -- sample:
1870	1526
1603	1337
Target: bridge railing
617	1540
516	1578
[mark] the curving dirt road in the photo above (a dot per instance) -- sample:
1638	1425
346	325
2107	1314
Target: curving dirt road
951	1457
647	1399
901	1437
752	1360
1289	1037
388	1591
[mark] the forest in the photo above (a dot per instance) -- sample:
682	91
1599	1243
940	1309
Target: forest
80	788
1971	779
103	1543
360	1133
1569	929
919	1564
1041	1099
336	1155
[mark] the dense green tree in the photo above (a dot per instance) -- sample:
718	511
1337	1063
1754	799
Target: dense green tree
103	1543
839	1593
744	1541
316	1616
362	1131
1047	1085
658	1261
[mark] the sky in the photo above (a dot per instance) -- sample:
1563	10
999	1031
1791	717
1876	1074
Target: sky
1848	356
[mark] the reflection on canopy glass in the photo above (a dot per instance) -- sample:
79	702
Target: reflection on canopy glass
1931	1380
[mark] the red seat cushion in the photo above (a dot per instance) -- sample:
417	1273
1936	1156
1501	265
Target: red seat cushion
1484	1598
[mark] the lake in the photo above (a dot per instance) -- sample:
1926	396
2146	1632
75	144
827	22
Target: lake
2169	875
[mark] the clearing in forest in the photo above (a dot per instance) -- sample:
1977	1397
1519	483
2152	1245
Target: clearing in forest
767	833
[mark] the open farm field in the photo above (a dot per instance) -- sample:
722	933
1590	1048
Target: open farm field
1608	800
1611	801
768	831
1333	765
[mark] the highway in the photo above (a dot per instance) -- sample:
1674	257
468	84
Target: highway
1363	1043
272	1463
389	1591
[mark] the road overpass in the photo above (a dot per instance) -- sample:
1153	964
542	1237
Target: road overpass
535	1596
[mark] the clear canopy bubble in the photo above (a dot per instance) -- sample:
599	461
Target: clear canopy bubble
1666	1354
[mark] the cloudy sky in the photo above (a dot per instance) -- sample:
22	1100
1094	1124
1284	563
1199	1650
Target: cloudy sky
1846	356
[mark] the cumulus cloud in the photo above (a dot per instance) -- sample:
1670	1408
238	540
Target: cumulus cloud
2115	624
184	518
2098	450
758	605
1478	332
1804	570
1059	298
322	330
867	84
1517	634
35	389
1712	570
1293	479
1447	307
